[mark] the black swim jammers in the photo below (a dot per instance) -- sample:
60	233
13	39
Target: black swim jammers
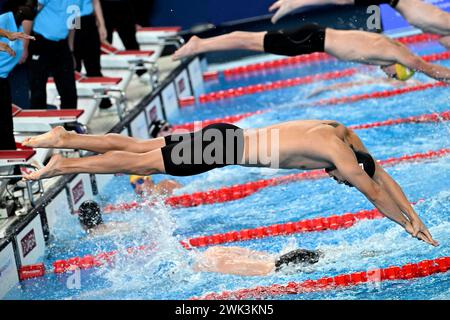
366	3
308	39
215	146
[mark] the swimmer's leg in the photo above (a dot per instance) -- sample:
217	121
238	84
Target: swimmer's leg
253	41
445	41
60	138
110	162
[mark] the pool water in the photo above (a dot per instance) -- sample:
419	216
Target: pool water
164	272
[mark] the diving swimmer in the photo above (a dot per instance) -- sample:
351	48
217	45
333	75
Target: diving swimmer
418	13
300	144
394	58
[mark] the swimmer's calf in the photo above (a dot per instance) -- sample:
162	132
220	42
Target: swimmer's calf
187	310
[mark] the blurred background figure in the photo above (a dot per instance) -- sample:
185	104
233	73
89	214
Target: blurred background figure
88	40
120	16
51	53
89	37
142	9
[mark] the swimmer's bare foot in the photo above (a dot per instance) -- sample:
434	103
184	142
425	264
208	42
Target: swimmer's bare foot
52	139
52	169
191	48
445	41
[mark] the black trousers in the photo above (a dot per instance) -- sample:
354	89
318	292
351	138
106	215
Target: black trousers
119	16
87	47
51	58
6	121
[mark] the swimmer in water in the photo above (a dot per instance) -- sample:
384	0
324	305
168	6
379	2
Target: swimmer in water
245	262
353	84
420	14
145	187
91	220
394	58
299	144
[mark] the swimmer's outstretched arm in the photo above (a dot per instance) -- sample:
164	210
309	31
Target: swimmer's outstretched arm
59	138
425	16
253	41
386	196
410	60
110	162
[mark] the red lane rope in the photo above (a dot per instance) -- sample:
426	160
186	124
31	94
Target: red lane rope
305	59
408	271
280	84
334	222
380	94
425	118
191	126
240	191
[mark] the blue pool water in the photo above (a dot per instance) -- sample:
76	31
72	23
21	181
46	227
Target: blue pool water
165	273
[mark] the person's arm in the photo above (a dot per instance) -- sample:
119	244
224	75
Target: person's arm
284	7
397	194
100	20
386	182
345	162
27	26
4	47
15	35
410	60
425	16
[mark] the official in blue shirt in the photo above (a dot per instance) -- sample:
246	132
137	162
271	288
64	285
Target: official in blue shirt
51	53
89	37
10	22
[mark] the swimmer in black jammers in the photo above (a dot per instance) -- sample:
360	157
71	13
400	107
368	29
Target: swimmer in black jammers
299	144
394	58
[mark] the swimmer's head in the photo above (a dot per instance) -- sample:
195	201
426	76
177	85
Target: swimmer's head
364	159
159	128
139	183
90	215
299	257
398	72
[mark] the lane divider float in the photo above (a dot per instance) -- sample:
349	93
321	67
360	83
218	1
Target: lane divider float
333	222
282	84
407	271
240	191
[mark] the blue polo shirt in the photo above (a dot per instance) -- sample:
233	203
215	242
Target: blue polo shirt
88	8
7	62
56	17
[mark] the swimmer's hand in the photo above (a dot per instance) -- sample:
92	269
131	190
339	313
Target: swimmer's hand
418	230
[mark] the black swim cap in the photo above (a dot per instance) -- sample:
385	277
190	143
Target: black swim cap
297	257
365	160
156	127
90	214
